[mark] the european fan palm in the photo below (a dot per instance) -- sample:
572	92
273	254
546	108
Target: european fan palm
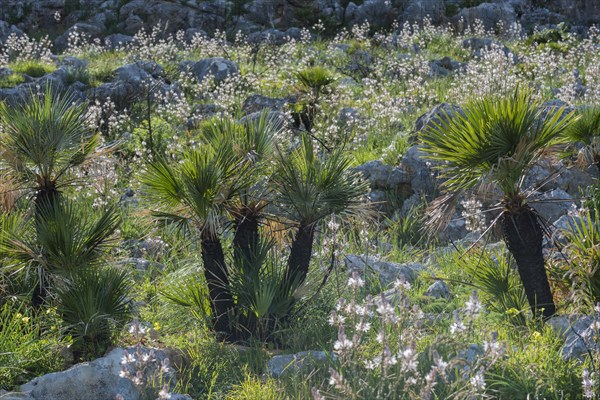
495	141
311	188
210	181
64	240
42	138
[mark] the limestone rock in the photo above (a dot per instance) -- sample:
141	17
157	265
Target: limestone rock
386	271
295	363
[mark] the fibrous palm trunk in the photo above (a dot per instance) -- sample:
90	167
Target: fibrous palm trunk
217	280
523	235
300	254
45	199
246	238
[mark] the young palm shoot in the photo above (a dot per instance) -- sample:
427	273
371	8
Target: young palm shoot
495	141
586	130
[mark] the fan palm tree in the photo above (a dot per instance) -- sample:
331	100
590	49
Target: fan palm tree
212	181
42	139
63	240
311	188
495	141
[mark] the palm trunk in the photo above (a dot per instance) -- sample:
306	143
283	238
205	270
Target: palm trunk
524	238
245	239
215	272
45	200
300	254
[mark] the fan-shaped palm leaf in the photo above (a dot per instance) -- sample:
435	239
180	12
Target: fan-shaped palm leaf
43	137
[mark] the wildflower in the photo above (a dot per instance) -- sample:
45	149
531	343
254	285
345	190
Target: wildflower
337	380
409	358
493	347
127	358
512	311
335	319
536	336
316	394
164	366
457	325
363	326
138	379
478	380
355	281
136	328
588	384
164	393
401	283
25	320
343	343
473	306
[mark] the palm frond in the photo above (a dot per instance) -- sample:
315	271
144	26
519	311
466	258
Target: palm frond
494	139
312	187
44	136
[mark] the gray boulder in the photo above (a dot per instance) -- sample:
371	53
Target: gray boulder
383	176
387	272
378	13
98	380
171	16
296	363
438	290
423	176
440	113
7	29
577	332
454	231
217	67
444	67
477	45
117	40
418	10
87	30
552	205
256	103
131	82
490	14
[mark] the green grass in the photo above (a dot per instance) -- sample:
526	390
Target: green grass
33	68
11	80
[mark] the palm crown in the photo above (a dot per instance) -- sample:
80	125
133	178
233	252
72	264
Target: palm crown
43	137
494	140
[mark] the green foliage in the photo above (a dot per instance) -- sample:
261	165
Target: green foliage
549	35
586	130
494	140
212	369
584	255
253	388
28	348
11	80
67	238
94	305
499	284
312	187
263	301
44	137
33	68
527	372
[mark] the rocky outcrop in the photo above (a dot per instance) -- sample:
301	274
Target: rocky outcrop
99	379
